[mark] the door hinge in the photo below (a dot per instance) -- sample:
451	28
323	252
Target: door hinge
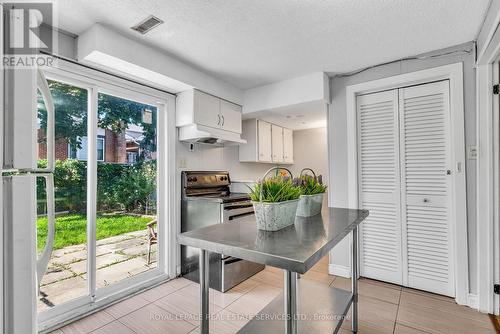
496	289
496	89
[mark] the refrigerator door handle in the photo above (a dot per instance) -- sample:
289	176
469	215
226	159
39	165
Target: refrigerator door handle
43	260
44	89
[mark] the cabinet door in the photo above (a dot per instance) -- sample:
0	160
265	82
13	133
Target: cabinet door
264	141
230	116
287	145
277	143
206	109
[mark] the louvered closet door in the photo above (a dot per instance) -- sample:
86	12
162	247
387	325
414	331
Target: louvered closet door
379	186
426	196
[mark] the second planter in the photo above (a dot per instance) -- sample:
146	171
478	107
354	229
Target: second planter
310	205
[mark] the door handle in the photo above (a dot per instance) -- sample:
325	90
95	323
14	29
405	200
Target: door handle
43	261
218	122
44	89
222	120
426	200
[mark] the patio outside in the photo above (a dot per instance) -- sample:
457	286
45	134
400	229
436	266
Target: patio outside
118	258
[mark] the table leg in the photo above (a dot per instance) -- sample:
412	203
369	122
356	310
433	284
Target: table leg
290	298
354	280
204	270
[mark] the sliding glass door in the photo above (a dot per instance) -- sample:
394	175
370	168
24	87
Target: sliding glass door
109	181
127	184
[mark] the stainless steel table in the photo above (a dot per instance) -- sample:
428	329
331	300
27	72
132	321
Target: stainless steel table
304	306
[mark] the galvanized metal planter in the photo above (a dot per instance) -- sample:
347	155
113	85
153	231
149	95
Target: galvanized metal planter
275	216
310	205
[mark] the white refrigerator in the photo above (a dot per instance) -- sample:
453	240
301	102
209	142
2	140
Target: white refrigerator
22	267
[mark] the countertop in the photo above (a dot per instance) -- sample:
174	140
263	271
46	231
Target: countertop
296	248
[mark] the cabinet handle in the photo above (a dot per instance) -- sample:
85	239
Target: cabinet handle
218	122
222	120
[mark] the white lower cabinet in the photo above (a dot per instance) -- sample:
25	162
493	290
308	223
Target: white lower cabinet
404	180
266	142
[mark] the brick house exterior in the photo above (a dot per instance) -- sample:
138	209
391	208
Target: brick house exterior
115	147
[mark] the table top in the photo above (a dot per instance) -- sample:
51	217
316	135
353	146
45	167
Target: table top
296	248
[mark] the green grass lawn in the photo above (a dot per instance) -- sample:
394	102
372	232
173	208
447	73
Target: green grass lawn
71	229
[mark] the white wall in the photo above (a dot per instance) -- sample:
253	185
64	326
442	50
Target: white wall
310	150
338	136
66	43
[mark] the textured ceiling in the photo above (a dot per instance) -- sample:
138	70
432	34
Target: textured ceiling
251	43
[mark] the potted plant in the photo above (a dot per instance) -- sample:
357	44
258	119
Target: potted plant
275	201
313	189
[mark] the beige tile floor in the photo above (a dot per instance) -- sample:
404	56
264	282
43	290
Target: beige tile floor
383	308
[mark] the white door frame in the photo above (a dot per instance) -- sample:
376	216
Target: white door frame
458	214
95	82
488	177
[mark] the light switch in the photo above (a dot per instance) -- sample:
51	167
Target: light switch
472	152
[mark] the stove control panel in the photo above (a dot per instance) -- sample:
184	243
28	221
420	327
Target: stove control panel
205	179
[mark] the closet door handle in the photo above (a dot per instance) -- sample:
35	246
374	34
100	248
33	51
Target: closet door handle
218	122
222	120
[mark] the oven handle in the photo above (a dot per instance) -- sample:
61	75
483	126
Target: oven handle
238	210
230	260
236	213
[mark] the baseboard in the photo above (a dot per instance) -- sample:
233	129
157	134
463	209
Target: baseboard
472	301
338	270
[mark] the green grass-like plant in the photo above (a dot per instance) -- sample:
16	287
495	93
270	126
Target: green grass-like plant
71	229
310	185
275	190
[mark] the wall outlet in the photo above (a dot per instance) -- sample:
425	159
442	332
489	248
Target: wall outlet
472	152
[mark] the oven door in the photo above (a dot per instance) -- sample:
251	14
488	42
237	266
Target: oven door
239	210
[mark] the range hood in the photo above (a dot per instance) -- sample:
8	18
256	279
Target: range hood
196	133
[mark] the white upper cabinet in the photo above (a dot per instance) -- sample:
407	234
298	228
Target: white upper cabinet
196	107
230	114
264	137
266	143
287	145
206	109
277	143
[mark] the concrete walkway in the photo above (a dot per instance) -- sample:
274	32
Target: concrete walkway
118	257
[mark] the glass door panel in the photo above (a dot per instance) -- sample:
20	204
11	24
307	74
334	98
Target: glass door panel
65	277
126	229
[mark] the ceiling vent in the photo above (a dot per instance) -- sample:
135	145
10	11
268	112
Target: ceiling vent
147	24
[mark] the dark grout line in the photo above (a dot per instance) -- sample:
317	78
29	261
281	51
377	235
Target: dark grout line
397	312
127	327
